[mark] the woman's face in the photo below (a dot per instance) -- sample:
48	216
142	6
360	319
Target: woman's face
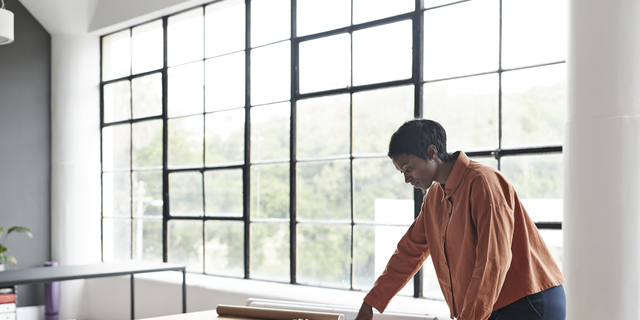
418	172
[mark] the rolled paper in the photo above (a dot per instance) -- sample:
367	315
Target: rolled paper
274	314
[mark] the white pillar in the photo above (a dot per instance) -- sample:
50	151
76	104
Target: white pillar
75	159
602	161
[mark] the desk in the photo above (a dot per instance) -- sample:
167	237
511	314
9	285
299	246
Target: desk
200	315
61	273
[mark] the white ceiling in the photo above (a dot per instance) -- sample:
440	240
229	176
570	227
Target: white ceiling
80	17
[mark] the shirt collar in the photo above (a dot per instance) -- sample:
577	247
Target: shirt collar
456	174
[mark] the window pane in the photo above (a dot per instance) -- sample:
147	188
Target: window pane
430	284
185	141
377	114
147	144
224	137
534	104
224	248
452	47
271	73
553	239
225	82
270	127
186	87
324	255
321	15
224	27
323	126
116	239
147	96
270	191
116	147
223	193
270	251
380	194
147	193
116	194
147	47
325	63
526	41
116	55
468	110
324	190
538	182
185	244
368	10
117	101
147	240
390	43
270	21
487	161
435	3
373	246
185	194
184	33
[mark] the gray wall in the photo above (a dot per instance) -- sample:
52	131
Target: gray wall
25	146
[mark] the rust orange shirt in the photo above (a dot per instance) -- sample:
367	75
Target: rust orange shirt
486	250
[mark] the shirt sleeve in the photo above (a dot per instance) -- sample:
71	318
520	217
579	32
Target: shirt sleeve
410	254
494	223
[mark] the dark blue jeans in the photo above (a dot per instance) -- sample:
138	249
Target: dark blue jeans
549	304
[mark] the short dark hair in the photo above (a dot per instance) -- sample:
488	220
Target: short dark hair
415	136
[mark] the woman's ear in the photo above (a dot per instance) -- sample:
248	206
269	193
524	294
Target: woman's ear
432	151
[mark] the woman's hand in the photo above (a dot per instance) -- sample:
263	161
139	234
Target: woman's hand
365	313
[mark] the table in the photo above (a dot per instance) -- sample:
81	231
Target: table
74	272
199	315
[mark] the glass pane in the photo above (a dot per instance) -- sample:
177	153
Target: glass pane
377	114
270	127
390	43
553	239
116	55
117	101
147	240
224	137
325	63
324	255
116	194
321	15
368	10
380	194
116	239
430	284
526	41
185	194
270	21
224	27
147	144
185	244
224	248
147	193
184	36
534	106
186	87
461	39
323	126
270	251
225	82
324	190
538	182
436	3
468	110
487	161
147	47
271	73
147	96
185	141
373	246
116	147
270	191
223	193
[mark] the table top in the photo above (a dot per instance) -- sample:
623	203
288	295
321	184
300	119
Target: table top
200	315
61	273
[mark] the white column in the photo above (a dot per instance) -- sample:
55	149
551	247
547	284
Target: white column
75	160
602	161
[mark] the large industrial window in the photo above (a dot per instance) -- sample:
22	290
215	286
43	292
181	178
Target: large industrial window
248	138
